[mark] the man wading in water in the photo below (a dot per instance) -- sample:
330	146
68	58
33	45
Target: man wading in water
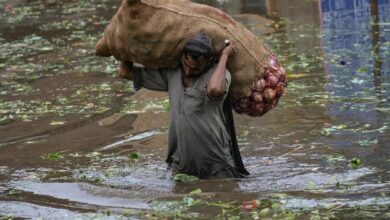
202	140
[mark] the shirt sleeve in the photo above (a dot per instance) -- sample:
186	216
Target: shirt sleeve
228	79
153	79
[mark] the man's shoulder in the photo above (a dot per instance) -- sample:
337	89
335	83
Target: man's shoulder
214	66
171	72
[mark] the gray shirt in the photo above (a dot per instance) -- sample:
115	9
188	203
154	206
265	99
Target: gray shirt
198	139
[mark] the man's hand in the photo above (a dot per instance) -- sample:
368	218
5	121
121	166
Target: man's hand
126	70
229	50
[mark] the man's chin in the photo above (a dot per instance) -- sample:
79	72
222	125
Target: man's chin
189	75
194	75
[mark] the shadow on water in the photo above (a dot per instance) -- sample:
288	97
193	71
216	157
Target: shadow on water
77	143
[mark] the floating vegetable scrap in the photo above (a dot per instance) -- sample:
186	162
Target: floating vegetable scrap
133	156
53	156
184	178
356	162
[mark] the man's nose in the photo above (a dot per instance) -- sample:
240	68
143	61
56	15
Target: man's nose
191	63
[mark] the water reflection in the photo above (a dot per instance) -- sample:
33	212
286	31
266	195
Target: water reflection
355	35
337	54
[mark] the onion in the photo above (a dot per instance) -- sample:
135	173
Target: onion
269	94
275	102
273	64
257	109
281	74
268	72
257	97
253	86
260	85
244	104
280	88
272	81
268	107
249	93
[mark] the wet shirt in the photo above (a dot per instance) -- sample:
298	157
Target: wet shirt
198	140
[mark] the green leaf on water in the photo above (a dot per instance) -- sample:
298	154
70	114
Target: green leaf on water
93	155
53	156
264	212
368	143
224	205
47	48
386	215
8	217
362	70
181	177
12	192
333	129
335	158
196	192
355	162
165	105
133	156
276	205
56	123
189	201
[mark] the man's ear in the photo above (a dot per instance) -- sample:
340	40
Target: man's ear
210	61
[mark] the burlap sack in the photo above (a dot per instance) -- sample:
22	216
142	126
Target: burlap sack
154	32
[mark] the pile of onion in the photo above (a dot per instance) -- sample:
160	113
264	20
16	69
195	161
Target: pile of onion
265	92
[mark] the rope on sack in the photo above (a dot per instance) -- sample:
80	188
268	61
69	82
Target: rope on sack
204	17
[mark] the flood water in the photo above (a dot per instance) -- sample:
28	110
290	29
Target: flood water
77	143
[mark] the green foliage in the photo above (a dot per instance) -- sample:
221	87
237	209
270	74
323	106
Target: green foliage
165	105
362	70
53	156
355	162
335	158
196	192
184	178
133	156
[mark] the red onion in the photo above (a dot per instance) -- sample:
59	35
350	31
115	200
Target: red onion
244	104
268	107
272	81
275	102
260	85
257	109
273	64
280	88
257	97
281	74
269	94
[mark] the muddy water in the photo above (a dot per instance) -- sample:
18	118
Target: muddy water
77	143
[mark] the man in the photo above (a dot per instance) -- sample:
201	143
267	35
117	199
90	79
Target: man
201	139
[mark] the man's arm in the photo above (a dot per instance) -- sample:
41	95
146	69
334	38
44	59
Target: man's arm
153	79
216	86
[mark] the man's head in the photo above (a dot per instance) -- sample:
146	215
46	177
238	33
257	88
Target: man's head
198	55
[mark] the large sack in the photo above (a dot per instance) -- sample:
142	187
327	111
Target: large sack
154	32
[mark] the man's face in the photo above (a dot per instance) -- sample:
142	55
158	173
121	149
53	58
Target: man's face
193	67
